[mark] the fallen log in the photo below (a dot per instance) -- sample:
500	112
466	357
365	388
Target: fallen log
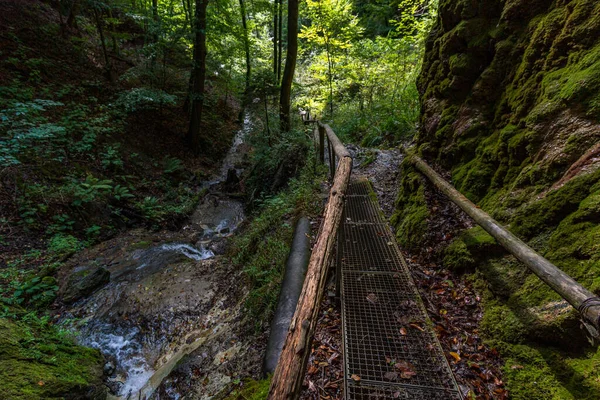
586	302
289	374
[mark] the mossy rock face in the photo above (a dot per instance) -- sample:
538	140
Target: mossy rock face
411	221
38	363
511	108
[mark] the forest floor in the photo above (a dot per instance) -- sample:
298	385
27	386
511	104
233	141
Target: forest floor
450	299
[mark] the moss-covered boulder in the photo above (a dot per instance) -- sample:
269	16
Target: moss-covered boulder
37	361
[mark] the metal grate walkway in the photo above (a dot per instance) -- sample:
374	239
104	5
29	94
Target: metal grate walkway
390	349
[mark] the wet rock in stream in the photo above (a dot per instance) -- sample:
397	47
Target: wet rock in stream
83	282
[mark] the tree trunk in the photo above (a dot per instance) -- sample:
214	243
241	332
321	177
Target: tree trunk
72	19
276	55
112	32
330	76
246	45
155	19
280	41
107	64
290	66
199	72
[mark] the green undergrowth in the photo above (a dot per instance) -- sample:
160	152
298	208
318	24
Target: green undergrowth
251	390
262	248
41	361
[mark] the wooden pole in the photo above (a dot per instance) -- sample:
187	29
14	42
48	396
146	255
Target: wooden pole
322	144
331	159
579	297
338	146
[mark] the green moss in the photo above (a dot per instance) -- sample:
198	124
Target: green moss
497	126
500	322
480	243
553	208
457	257
533	372
142	244
40	363
411	219
251	390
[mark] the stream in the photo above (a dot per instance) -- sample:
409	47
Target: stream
166	293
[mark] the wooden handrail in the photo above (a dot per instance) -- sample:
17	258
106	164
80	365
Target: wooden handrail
586	302
289	374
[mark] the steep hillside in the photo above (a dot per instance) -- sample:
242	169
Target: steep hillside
510	95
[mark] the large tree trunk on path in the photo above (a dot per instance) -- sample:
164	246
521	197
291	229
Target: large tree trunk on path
199	72
290	66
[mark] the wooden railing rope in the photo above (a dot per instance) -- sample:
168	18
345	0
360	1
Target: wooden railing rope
289	374
586	302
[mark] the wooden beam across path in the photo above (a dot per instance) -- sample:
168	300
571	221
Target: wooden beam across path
579	297
289	374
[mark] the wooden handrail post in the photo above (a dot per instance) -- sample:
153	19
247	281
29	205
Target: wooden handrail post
322	143
331	159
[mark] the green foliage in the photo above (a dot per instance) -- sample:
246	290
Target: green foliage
121	192
111	158
371	80
35	292
251	390
172	165
63	245
263	248
150	208
24	131
138	99
277	158
92	189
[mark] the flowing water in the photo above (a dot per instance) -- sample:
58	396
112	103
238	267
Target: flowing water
158	305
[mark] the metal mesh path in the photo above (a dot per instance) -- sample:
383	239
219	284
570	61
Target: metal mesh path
390	349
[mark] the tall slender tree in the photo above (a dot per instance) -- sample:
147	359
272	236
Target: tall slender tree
280	41
276	55
246	44
199	74
290	66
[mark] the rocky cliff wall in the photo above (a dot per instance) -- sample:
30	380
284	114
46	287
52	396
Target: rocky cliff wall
510	95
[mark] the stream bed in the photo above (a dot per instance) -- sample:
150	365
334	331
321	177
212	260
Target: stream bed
158	296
